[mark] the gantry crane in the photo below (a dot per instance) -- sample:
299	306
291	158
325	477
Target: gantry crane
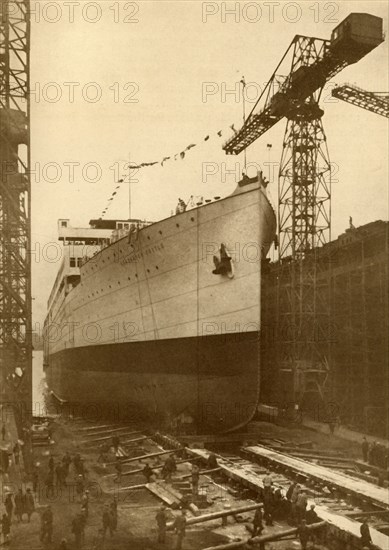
376	102
304	330
15	232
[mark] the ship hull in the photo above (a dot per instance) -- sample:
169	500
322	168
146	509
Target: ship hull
152	328
211	379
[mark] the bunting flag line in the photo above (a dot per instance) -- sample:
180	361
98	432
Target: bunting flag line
162	162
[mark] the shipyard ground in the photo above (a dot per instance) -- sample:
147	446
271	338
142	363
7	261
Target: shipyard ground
136	509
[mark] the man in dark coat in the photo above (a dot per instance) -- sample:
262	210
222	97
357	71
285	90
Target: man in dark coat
4	460
180	529
311	515
303	534
268	505
365	449
20	504
365	535
66	461
9	505
147	472
195	479
290	490
257	523
47	525
30	504
77	529
161	518
16	453
212	461
107	522
5	528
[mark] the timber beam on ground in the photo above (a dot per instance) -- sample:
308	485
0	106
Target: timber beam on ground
344	483
220	514
160	466
105	438
146	456
247	476
201	472
280	535
104	428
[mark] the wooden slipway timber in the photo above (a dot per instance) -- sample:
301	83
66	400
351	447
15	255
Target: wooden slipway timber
264	538
250	478
358	487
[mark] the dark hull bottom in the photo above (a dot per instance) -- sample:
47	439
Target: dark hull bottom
211	382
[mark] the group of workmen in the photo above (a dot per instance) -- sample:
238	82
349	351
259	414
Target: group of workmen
109	518
291	507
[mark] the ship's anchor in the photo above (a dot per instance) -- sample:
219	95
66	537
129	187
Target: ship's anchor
224	265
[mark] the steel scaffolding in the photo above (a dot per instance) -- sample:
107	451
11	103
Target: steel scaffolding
15	240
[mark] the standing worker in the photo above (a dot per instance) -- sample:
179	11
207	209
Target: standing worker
365	450
365	535
267	482
180	529
85	502
16	453
301	506
257	523
30	504
77	531
59	473
6	528
168	468
9	505
47	525
119	470
19	505
311	516
50	483
80	487
212	461
107	522
290	490
293	500
303	534
113	510
115	443
195	479
161	518
35	481
147	472
3	432
66	461
268	506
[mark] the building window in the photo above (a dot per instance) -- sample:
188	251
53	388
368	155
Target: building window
72	262
64	224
